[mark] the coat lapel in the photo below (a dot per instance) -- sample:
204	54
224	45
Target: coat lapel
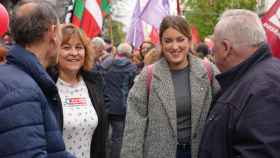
199	87
166	92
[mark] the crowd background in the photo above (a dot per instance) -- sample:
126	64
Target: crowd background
73	95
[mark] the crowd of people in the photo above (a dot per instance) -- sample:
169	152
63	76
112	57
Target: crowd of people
63	95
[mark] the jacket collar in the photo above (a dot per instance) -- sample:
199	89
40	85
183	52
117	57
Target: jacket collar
227	78
28	62
90	76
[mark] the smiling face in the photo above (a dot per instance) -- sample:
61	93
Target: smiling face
175	47
72	55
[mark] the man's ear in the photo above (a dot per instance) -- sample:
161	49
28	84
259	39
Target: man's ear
227	47
52	33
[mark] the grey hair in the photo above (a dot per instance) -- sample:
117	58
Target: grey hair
98	41
241	27
124	49
29	27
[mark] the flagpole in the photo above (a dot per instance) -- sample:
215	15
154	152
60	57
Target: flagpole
111	29
178	7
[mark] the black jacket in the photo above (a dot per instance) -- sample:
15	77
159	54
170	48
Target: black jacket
94	83
245	119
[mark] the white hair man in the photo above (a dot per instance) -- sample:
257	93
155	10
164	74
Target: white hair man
99	48
244	119
124	49
118	79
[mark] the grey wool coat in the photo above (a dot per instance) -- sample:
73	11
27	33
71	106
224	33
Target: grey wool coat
151	130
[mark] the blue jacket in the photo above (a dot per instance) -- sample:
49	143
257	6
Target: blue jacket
118	76
28	127
245	119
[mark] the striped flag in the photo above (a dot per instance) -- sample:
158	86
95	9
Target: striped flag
88	15
271	23
105	6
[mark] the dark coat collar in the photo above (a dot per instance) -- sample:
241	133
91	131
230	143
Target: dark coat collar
28	62
87	75
229	77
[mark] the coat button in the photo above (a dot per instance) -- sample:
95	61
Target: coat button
201	89
211	117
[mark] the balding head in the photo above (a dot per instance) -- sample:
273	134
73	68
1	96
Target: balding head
31	20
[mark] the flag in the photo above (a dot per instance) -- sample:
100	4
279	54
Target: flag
105	6
155	11
135	35
195	35
88	16
154	36
271	23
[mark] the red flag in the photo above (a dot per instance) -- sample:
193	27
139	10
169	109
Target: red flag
195	35
271	23
154	36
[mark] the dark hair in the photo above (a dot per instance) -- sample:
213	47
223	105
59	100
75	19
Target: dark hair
29	26
203	48
176	22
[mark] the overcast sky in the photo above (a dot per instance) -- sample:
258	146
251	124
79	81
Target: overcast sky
122	10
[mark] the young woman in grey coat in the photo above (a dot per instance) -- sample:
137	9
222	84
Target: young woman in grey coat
168	123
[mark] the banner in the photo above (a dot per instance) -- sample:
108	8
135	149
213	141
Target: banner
88	15
135	35
271	23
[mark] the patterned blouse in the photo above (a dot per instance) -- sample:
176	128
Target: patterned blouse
79	117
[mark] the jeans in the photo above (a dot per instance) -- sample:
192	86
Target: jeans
183	153
117	123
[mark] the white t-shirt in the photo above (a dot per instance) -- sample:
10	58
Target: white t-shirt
79	117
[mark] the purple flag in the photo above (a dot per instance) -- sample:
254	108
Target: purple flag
155	11
135	35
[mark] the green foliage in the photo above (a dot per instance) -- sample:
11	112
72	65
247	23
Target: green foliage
117	33
204	14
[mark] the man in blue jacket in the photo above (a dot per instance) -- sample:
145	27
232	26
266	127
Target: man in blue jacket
28	128
244	121
119	73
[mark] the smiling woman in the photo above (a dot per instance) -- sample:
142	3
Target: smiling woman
81	114
167	119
